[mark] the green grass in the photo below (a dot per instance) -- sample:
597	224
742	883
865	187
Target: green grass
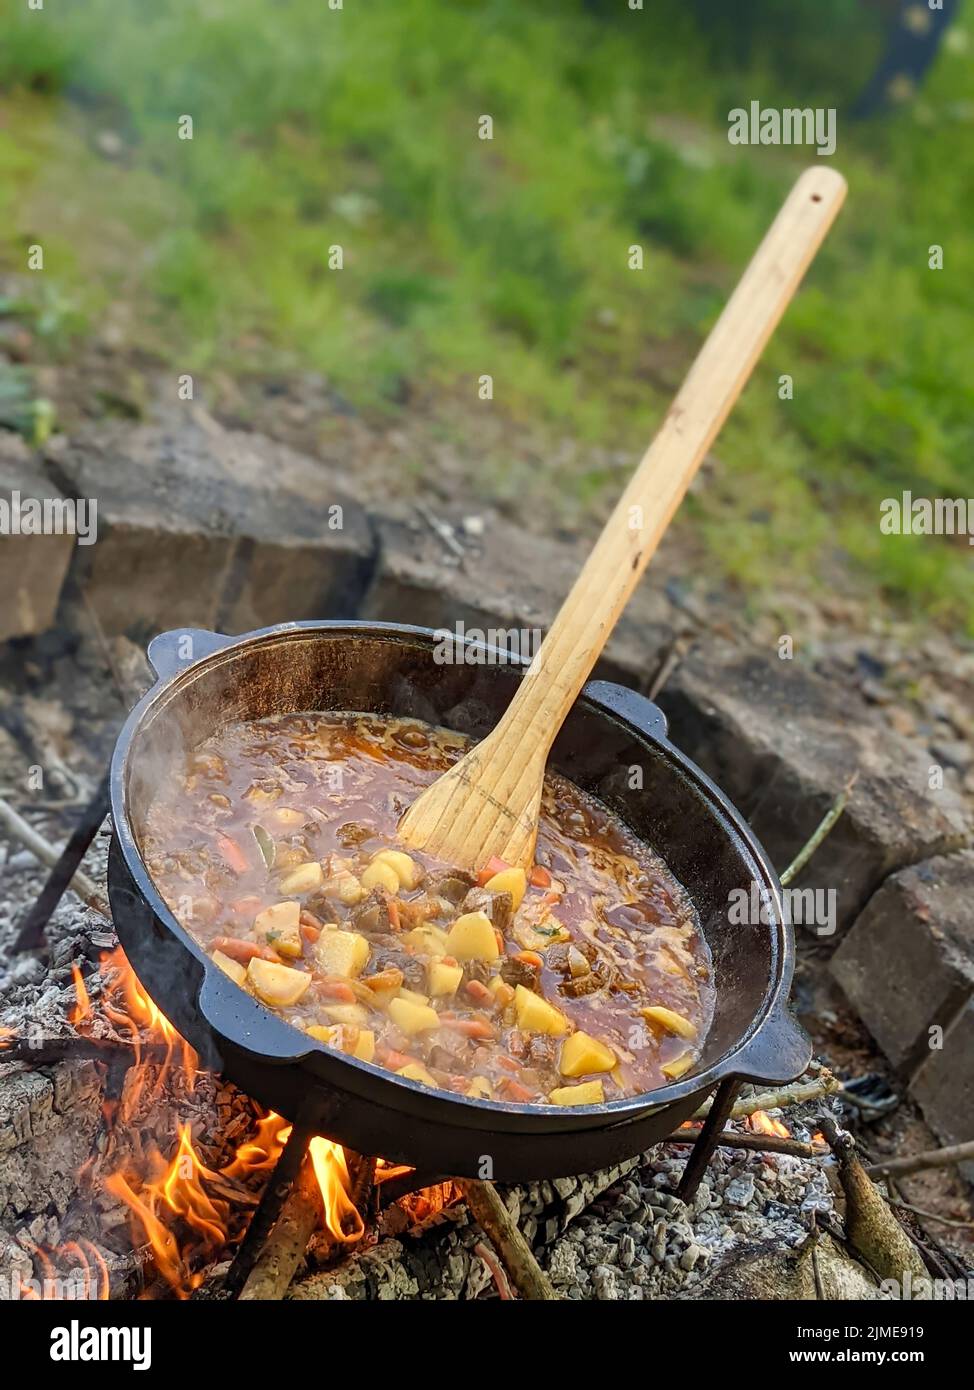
358	128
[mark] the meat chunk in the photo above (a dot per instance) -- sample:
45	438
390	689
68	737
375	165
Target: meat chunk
372	913
499	907
393	957
582	968
454	886
542	1051
516	972
476	970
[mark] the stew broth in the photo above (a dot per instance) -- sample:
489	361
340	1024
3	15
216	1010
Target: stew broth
276	848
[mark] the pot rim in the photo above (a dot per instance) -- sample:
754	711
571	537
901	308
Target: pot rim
771	1032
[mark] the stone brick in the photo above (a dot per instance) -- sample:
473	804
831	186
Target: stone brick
907	963
32	568
944	1086
507	579
782	743
208	527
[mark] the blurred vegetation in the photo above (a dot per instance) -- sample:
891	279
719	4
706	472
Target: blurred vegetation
358	127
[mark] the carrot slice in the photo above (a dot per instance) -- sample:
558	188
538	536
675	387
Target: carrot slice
493	866
392	1059
335	989
233	854
540	877
530	958
469	1027
243	951
513	1090
392	907
478	992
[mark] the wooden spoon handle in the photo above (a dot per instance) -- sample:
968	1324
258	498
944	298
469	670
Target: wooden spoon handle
636	526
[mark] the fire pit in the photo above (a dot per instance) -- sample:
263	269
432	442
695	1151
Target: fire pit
128	1168
193	1190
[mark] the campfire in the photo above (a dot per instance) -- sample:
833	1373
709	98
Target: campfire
193	1191
188	1210
141	1173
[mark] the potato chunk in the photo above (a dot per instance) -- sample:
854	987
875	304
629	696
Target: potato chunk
277	985
588	1093
472	938
305	878
581	1054
405	868
279	927
426	940
412	1018
347	1037
233	968
536	1015
675	1069
670	1021
513	881
339	952
443	979
415	1071
480	1088
354	1014
379	874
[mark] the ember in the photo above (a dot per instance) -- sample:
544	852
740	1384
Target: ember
763	1123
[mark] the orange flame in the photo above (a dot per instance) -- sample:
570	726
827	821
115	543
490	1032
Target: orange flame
259	1154
177	1189
762	1123
137	1014
342	1219
170	1206
82	1007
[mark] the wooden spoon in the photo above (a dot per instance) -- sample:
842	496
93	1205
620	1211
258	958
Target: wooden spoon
488	804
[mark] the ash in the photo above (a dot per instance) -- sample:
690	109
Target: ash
640	1241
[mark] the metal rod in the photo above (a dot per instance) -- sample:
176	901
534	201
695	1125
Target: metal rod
269	1208
709	1138
26	835
65	870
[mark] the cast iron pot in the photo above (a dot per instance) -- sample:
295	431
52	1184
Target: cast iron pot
206	680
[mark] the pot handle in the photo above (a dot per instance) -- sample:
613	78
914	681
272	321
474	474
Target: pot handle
779	1052
240	1021
180	647
629	705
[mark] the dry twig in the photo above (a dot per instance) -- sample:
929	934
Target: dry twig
496	1222
25	834
758	1143
796	1094
287	1243
824	828
916	1163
